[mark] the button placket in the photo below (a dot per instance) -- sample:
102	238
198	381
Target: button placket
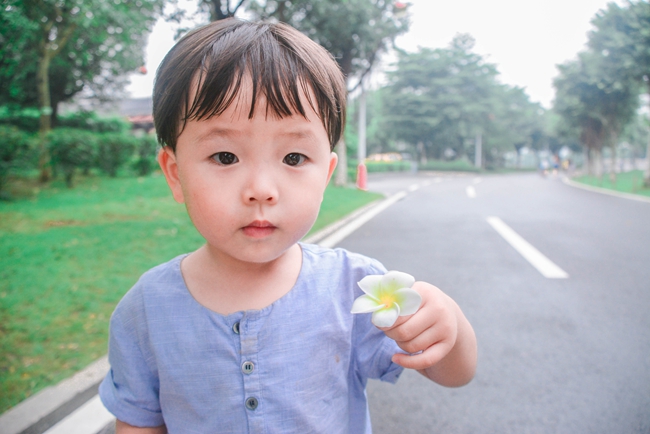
249	365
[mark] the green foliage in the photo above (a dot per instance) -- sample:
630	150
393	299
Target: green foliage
354	31
597	94
87	44
72	149
147	150
387	166
25	119
113	150
622	35
439	101
86	120
14	146
458	165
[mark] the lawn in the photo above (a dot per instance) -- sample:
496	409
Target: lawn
626	182
68	256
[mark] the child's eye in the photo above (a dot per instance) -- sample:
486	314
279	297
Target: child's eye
225	158
294	159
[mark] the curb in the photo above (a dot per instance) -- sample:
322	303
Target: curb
39	412
636	197
333	227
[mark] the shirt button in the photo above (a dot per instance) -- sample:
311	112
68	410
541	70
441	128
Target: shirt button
235	327
247	367
251	403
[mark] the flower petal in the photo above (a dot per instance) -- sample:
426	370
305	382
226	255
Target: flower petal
365	304
409	301
394	280
371	284
386	317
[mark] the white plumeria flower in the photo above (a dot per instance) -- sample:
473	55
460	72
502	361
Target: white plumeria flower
387	297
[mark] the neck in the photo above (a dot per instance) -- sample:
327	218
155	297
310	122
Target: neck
226	285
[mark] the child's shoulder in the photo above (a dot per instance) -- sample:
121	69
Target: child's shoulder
322	260
162	281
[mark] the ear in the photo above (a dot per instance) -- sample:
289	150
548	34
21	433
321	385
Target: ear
167	161
333	160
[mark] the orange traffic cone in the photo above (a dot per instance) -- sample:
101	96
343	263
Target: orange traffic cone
362	177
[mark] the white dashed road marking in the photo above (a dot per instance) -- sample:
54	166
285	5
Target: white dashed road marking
471	192
525	249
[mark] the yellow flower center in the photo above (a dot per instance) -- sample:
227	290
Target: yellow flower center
387	300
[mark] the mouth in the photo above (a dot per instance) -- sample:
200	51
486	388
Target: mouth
259	229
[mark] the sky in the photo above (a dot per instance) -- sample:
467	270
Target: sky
524	39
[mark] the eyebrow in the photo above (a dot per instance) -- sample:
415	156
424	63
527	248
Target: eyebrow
219	132
298	134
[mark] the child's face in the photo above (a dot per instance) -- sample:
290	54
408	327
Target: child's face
252	187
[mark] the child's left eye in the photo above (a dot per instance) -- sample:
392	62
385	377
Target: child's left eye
294	159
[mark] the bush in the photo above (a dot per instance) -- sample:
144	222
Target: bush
24	119
27	119
14	147
90	121
71	149
146	148
388	166
113	150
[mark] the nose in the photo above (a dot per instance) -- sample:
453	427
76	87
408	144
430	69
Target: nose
261	187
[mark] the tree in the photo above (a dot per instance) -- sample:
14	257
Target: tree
356	32
595	103
66	46
221	9
622	36
440	100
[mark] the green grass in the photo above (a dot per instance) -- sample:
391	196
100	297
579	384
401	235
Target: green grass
68	256
626	182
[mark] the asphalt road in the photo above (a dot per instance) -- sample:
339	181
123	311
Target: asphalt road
555	355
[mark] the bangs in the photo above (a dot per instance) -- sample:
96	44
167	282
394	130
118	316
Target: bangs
272	71
207	70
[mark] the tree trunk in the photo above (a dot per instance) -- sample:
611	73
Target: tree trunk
422	153
646	176
45	120
598	163
612	172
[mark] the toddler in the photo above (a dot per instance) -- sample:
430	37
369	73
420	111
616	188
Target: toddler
252	332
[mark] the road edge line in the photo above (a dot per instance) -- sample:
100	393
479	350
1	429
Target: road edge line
354	224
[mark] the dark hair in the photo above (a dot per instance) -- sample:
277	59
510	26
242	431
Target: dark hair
280	60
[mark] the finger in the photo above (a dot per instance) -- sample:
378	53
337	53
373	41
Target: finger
408	328
424	340
426	358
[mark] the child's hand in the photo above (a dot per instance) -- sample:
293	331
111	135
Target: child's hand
438	336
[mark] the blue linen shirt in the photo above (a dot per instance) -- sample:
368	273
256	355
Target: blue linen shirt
299	365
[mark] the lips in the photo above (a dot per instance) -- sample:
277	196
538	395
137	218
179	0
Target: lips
259	229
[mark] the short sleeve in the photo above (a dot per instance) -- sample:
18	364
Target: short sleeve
130	390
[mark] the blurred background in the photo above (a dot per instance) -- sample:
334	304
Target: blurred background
516	92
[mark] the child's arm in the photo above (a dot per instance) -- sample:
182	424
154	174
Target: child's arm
125	428
440	330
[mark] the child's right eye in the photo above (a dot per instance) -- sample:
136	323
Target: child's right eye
225	158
